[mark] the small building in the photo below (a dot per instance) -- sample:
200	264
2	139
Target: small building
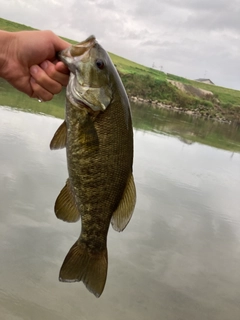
208	81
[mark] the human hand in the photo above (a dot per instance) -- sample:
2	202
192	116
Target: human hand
48	78
29	63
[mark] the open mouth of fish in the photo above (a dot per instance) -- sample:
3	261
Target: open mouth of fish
80	50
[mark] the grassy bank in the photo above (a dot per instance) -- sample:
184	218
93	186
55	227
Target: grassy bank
155	86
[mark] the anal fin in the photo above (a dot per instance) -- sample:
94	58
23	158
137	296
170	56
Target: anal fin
124	211
59	139
65	207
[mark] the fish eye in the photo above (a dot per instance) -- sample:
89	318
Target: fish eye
100	64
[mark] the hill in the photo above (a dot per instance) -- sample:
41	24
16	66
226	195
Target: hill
166	90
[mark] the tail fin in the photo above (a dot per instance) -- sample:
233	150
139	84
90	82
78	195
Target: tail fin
82	265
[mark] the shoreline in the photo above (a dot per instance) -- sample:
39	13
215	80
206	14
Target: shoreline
202	111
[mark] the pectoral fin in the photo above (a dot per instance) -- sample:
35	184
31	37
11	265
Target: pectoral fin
65	207
59	138
123	214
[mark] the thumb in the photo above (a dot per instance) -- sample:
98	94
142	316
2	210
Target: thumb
58	43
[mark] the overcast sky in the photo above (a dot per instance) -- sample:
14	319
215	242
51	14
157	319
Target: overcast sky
189	38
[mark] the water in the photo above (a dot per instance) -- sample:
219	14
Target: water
179	257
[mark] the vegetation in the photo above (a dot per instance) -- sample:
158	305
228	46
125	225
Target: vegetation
225	95
12	26
153	85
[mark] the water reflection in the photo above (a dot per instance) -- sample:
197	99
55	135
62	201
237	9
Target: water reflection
179	257
187	128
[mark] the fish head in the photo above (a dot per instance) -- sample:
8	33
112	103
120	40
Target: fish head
90	67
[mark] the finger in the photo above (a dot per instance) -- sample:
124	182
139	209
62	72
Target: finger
43	80
59	44
39	92
61	67
59	74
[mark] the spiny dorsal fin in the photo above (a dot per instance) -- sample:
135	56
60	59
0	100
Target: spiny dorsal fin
65	207
59	138
82	265
123	214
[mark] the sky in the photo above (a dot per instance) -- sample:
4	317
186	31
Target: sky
189	38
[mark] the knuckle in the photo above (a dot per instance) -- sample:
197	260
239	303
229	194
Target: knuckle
51	71
49	33
39	75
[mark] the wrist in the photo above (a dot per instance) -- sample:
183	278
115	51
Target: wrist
6	52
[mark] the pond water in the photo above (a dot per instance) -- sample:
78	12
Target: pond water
179	257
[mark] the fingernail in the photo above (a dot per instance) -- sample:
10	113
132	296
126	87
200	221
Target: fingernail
33	69
33	80
44	65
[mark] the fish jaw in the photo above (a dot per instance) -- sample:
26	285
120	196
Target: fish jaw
76	53
88	84
83	46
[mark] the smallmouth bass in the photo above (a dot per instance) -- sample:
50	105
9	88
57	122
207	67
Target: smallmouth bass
98	136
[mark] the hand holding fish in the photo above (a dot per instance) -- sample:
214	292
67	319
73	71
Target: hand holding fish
28	62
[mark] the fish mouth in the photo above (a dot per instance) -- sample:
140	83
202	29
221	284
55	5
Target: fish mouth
77	50
80	48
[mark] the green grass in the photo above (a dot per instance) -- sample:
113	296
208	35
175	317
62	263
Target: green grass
12	26
126	66
225	95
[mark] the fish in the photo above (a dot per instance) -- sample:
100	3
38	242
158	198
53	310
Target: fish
98	135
